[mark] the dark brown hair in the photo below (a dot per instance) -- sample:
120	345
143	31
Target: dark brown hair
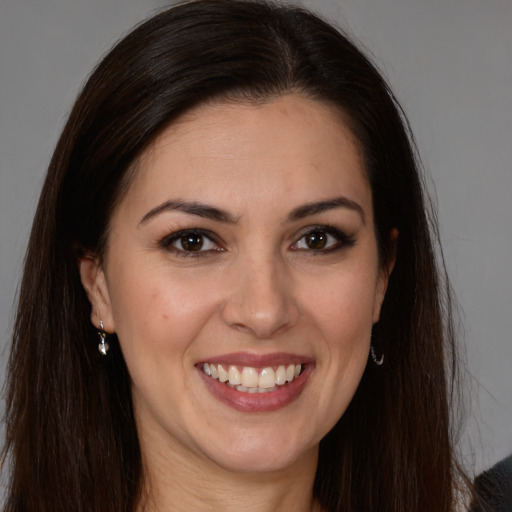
71	438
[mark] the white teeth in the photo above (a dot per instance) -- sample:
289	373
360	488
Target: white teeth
252	390
234	376
267	379
249	377
290	372
223	374
280	375
252	380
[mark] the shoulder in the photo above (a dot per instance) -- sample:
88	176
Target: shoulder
494	488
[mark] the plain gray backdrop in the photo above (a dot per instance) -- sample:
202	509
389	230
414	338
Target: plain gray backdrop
450	65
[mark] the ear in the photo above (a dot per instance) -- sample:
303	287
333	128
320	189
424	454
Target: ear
384	273
95	285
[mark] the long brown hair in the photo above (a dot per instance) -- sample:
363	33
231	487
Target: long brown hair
71	441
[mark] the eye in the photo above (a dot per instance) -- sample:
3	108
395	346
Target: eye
190	241
322	239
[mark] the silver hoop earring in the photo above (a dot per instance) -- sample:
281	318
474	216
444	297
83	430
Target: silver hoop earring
103	346
378	362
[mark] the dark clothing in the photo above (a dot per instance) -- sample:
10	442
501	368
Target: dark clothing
493	489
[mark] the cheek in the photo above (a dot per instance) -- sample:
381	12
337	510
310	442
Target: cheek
342	306
158	318
344	318
341	311
345	322
158	312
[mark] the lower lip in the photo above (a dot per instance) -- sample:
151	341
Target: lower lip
258	402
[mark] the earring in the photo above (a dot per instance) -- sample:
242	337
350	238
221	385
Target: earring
103	346
378	362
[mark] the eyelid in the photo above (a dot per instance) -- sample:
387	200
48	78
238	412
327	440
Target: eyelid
343	239
167	241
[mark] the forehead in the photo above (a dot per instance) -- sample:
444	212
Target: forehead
292	148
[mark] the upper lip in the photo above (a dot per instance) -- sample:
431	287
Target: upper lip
258	360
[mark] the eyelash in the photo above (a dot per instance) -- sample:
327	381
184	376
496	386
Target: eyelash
342	240
168	241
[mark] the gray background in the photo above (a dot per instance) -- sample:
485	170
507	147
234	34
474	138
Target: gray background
450	64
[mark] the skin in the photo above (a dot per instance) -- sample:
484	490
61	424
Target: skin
256	287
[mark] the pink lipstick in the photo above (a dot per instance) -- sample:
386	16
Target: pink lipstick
256	383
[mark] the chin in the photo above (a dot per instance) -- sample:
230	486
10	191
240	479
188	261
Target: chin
249	451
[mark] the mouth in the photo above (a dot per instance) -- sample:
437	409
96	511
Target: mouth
256	384
248	379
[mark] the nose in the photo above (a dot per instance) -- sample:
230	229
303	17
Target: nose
260	298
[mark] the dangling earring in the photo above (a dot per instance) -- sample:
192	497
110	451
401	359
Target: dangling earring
378	362
103	346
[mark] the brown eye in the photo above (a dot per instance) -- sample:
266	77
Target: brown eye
191	242
322	239
316	240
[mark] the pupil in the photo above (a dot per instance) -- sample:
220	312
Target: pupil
316	240
192	242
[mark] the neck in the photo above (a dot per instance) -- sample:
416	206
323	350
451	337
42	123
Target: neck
179	482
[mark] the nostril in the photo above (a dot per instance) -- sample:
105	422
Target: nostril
240	327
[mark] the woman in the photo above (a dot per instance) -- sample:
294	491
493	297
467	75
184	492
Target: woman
231	297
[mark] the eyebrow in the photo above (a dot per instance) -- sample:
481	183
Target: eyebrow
322	206
191	207
211	212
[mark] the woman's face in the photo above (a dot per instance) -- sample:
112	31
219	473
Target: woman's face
243	250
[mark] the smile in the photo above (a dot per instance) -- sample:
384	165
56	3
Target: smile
253	380
255	383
